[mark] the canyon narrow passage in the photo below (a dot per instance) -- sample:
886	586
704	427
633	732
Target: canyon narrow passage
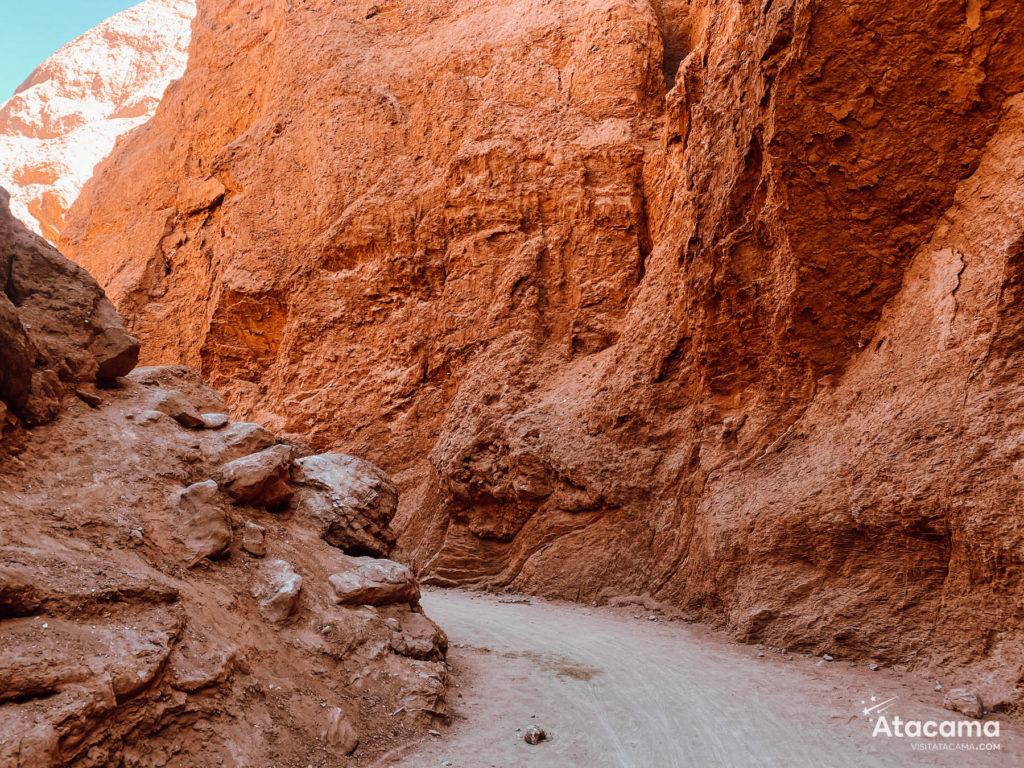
613	688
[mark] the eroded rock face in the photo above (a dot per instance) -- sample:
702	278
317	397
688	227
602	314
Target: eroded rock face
57	328
349	499
67	116
134	630
482	233
204	526
372	581
712	301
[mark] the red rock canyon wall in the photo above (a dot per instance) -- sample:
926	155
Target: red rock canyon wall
711	300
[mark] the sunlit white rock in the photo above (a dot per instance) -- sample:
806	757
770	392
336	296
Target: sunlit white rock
67	116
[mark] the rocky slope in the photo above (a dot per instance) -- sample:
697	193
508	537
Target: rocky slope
69	113
710	300
177	589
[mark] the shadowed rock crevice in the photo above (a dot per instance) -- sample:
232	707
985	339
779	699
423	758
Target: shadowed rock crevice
677	24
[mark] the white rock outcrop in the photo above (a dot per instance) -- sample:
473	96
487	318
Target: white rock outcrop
67	116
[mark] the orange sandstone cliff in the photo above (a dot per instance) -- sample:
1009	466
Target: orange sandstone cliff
716	301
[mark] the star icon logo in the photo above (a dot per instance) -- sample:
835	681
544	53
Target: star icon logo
876	707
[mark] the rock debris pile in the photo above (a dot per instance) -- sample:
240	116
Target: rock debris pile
166	571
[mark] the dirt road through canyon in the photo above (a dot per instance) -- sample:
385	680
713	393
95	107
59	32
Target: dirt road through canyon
614	688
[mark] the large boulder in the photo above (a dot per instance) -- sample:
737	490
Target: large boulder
277	590
418	637
370	581
965	700
179	378
215	420
178	407
254	539
351	500
57	328
234	441
115	350
17	356
260	479
339	734
204	527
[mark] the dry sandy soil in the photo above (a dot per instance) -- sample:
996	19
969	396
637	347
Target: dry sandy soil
613	688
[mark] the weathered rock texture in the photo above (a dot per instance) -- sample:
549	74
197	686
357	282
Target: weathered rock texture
67	116
139	624
57	329
713	300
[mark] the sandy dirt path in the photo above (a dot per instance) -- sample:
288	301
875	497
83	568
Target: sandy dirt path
614	689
